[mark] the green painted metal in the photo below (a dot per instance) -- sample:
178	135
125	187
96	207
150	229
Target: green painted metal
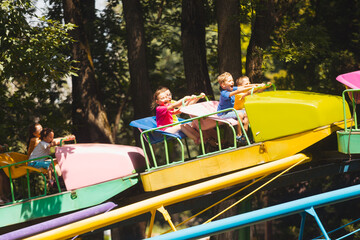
198	96
28	179
349	138
218	135
28	175
242	128
151	150
155	163
187	148
64	140
266	85
201	138
354	109
166	151
63	202
55	174
348	142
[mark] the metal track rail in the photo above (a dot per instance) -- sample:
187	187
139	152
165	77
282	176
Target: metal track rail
303	206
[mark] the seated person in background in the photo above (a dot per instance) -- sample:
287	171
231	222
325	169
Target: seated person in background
165	111
4	148
43	149
243	82
34	137
227	100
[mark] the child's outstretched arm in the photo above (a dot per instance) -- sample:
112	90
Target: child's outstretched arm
177	104
194	99
57	141
187	100
240	89
262	87
246	90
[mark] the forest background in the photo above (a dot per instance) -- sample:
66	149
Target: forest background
117	57
88	72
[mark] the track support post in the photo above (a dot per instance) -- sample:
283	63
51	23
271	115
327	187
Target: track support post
313	213
167	217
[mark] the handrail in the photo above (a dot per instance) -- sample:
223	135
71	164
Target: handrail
198	96
27	176
354	108
66	139
266	85
182	147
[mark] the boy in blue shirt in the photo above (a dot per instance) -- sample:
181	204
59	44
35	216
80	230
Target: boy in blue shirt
227	100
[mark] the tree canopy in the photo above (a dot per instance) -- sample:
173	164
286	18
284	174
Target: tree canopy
310	44
34	65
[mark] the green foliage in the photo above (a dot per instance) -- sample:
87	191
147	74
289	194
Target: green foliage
352	228
162	22
163	26
32	54
33	67
314	43
295	42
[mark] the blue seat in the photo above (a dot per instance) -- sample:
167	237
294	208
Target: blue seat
157	136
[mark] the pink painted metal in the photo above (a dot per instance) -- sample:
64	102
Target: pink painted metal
351	79
88	164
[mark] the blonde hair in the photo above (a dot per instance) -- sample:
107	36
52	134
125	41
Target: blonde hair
156	94
240	80
222	77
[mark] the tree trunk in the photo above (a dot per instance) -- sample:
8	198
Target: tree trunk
260	39
193	46
5	191
139	75
133	232
89	117
229	48
234	234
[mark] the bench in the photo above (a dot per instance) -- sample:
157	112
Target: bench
15	166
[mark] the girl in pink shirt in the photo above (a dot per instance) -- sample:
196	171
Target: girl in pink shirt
165	109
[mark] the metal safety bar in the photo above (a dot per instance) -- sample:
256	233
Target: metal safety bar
353	108
266	85
66	140
28	176
155	164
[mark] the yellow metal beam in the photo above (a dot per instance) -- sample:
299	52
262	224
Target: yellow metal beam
152	220
169	198
167	217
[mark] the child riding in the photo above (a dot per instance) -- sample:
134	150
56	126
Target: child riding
227	100
243	83
43	149
165	109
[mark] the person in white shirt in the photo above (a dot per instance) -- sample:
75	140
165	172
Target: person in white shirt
43	149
